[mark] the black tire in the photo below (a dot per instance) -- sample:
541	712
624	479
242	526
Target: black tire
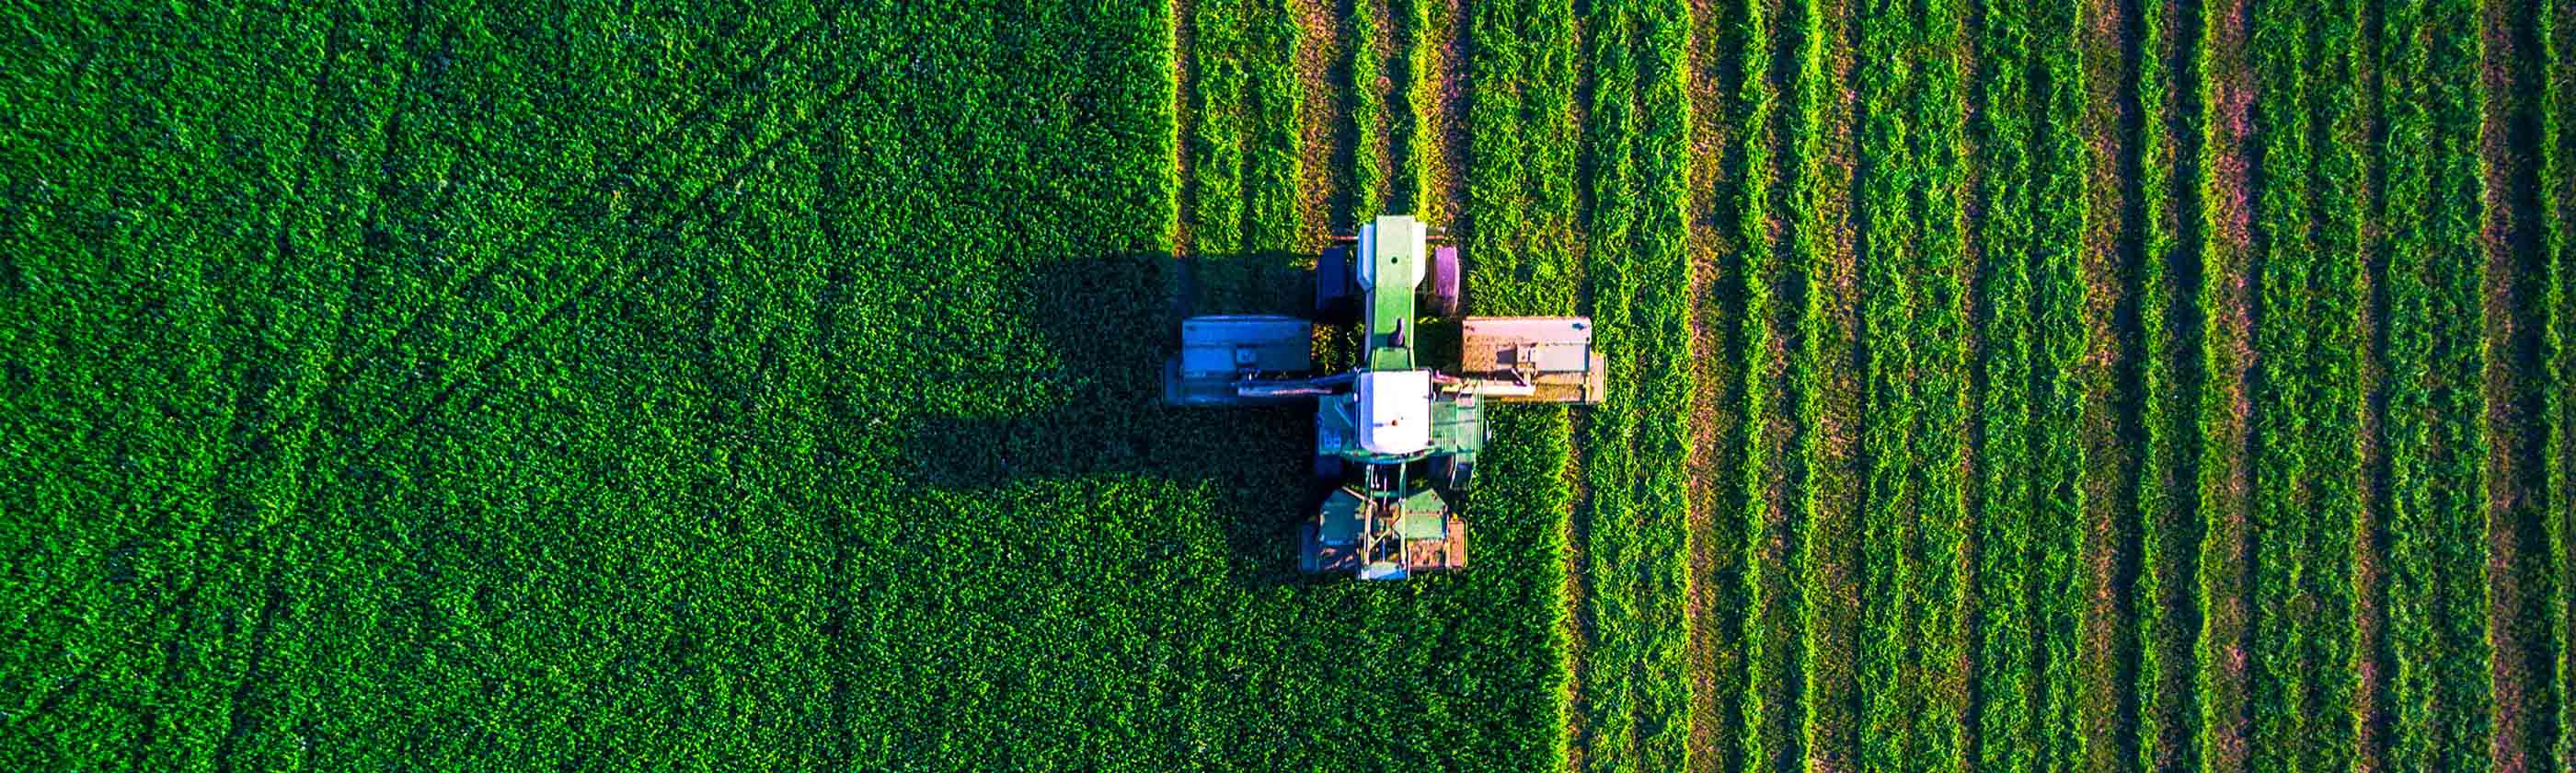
1328	470
1333	301
1441	290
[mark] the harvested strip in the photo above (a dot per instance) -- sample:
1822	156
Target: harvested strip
1772	684
2226	215
2510	247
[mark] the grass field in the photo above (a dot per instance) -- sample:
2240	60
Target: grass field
2091	385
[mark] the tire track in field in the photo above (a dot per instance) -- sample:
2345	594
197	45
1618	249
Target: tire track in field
693	119
2509	235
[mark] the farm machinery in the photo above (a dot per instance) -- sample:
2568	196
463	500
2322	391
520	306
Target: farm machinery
1395	440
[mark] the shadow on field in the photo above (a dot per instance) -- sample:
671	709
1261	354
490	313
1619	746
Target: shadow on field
1107	322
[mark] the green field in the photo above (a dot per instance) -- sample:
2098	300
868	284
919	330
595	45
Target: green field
2087	385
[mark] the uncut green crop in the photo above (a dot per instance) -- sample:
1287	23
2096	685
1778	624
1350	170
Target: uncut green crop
1519	210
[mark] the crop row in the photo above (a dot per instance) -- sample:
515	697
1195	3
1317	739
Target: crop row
2558	202
2008	652
1889	696
1770	643
1935	588
1637	144
1519	212
2283	385
2336	395
2434	440
2060	407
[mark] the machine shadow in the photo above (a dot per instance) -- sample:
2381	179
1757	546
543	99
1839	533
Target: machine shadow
1109	321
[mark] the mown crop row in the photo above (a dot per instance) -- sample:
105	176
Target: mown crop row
2061	348
2007	659
1939	142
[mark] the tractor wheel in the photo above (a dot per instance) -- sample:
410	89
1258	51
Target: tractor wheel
1333	302
1443	287
1450	472
1328	470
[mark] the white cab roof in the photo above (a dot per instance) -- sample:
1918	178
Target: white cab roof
1395	411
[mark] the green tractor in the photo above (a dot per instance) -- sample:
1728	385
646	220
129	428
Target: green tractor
1395	440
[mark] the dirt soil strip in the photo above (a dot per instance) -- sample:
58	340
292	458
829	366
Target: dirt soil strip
1710	650
2226	479
2111	118
2510	238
